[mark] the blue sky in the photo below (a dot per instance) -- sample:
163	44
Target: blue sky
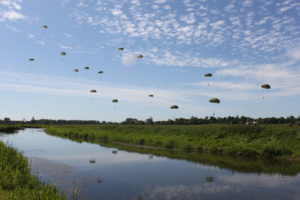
242	43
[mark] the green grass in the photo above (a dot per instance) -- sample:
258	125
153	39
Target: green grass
244	165
270	142
16	182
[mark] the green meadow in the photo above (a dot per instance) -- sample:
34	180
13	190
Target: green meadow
272	142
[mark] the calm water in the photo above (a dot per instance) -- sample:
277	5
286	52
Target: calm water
125	175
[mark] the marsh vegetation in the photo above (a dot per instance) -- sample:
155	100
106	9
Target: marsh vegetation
272	142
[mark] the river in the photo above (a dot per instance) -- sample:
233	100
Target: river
91	172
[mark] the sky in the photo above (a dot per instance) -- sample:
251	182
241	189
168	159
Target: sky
244	44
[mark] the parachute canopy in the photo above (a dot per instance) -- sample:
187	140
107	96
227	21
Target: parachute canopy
214	100
174	107
93	91
45	26
76	70
208	75
266	86
121	49
150	95
63	53
31	59
100	72
115	101
87	68
140	56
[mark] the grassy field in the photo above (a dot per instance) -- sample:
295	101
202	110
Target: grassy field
263	141
16	182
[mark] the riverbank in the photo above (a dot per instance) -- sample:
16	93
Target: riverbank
16	182
11	128
273	142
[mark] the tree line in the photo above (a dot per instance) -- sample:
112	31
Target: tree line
178	121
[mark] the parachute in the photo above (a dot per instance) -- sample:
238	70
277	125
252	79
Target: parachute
214	100
63	53
87	68
140	56
265	86
100	72
150	96
174	107
45	26
76	70
31	59
208	75
93	91
121	49
115	101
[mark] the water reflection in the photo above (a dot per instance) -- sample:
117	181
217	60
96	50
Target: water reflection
118	174
231	187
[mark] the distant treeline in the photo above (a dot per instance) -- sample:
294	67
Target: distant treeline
177	121
218	120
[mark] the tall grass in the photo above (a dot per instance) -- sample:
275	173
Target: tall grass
265	141
16	182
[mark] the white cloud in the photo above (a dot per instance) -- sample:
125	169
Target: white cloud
40	42
208	26
68	35
12	15
268	72
12	28
283	78
294	53
12	4
160	1
30	35
128	59
116	12
247	3
233	86
176	58
11	10
82	4
5	2
54	85
16	6
64	46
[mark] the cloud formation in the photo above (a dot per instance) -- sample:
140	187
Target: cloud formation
128	59
262	26
10	10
